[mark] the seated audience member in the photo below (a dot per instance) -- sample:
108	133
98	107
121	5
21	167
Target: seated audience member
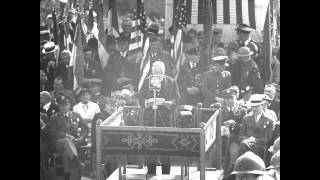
64	138
47	105
256	131
86	108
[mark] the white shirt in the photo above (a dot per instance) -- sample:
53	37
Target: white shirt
192	65
123	54
46	107
87	111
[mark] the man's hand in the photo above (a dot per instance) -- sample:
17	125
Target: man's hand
229	123
218	99
225	131
168	104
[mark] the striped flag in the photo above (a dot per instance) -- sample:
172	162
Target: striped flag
140	28
179	21
75	71
224	12
103	54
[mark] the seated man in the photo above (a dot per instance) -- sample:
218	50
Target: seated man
167	89
256	131
64	127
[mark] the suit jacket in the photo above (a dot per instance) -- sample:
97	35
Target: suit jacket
169	91
189	77
275	105
53	108
118	67
247	74
212	84
249	128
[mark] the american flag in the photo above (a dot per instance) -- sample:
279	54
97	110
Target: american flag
178	22
140	28
139	41
224	11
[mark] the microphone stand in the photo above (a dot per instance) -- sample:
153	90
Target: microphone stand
154	107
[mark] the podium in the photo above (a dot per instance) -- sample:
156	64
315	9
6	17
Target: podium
180	144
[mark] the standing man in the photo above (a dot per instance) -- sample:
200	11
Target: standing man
256	131
189	78
270	91
170	93
63	66
126	28
244	39
216	79
59	89
246	72
217	36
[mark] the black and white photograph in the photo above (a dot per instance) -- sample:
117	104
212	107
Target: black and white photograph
159	89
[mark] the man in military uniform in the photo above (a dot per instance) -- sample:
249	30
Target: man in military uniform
169	92
59	89
256	131
244	39
246	72
249	167
232	115
64	135
189	78
215	80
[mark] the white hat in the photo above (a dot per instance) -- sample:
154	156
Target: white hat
63	1
49	47
45	32
256	100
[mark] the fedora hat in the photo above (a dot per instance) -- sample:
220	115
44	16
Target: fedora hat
256	100
244	52
49	47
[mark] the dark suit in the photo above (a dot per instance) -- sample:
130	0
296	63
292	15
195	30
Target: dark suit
62	70
189	77
118	66
247	74
275	105
212	84
170	92
262	131
53	108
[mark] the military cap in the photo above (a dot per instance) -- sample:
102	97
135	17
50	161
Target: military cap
227	93
153	29
249	163
243	28
220	57
49	47
63	100
217	31
234	90
49	16
72	11
244	52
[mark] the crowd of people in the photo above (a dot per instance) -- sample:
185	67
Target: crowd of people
231	78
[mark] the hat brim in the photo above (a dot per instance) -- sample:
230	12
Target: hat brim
245	55
44	50
272	167
248	172
244	29
256	104
219	58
